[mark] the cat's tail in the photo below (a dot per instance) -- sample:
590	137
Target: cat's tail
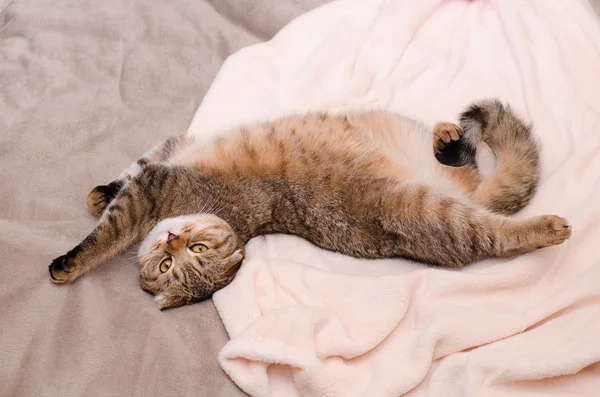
516	175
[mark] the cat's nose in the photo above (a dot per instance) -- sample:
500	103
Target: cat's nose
172	237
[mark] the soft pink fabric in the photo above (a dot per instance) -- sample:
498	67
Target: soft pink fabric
307	322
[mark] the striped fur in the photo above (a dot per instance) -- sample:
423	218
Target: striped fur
364	184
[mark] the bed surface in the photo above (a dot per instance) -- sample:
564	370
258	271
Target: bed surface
85	88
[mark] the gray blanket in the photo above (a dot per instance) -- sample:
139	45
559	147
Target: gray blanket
87	86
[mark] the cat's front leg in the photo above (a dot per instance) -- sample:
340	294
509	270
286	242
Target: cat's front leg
101	196
128	218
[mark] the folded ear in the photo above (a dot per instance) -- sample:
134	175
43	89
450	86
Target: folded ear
238	255
168	301
235	261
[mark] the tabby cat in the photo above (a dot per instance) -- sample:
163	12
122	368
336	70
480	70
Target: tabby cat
364	184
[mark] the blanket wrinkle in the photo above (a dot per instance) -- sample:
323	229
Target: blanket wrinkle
309	366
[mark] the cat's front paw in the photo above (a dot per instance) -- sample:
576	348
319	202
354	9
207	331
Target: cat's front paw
63	269
101	196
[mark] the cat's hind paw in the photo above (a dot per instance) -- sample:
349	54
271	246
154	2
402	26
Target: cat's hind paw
449	147
554	230
444	134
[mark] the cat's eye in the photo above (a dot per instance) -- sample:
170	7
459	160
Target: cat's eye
198	248
165	265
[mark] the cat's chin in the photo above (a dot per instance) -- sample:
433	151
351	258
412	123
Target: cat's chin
171	224
161	231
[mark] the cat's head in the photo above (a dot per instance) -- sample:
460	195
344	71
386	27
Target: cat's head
188	258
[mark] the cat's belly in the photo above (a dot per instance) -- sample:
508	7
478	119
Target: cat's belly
409	146
324	149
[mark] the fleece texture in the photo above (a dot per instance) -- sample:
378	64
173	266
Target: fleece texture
307	322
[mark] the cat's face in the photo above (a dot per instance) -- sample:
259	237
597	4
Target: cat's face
188	258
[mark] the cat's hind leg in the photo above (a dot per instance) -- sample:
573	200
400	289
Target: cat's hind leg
101	196
452	232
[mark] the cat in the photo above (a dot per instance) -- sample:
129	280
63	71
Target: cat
363	183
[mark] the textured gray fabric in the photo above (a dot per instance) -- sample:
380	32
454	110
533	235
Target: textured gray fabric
596	6
85	88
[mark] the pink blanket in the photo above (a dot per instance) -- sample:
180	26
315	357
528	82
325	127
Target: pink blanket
307	322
